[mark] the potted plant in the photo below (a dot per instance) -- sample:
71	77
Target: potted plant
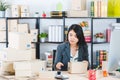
3	7
43	36
100	37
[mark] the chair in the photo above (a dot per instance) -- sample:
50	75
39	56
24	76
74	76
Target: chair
54	54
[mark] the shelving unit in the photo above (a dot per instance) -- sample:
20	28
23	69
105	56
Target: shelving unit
38	26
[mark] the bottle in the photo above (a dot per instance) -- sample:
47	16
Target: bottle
108	34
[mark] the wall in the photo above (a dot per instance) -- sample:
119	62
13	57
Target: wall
40	6
47	6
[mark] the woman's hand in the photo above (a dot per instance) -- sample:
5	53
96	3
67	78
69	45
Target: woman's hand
58	65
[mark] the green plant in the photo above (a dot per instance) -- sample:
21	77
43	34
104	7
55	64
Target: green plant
43	35
3	5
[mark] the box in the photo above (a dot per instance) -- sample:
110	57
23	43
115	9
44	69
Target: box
15	8
2	36
20	41
15	11
15	14
77	67
23	28
33	53
11	54
2	24
34	38
12	25
33	45
6	66
78	5
25	14
24	9
35	66
78	13
34	32
23	73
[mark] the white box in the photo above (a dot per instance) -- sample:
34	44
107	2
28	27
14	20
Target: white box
77	67
2	24
2	36
12	25
24	9
6	66
78	13
34	31
23	28
11	54
25	14
19	40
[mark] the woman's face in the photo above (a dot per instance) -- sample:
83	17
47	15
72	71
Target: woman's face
72	37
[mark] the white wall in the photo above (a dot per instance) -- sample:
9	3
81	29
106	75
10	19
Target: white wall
47	6
44	5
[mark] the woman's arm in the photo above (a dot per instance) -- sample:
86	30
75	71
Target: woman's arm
58	57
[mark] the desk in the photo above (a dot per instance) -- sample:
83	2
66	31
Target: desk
49	75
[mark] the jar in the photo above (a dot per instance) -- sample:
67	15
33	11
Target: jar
36	14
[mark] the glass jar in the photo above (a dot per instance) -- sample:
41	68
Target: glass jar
36	14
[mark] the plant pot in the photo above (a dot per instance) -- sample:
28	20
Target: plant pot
42	39
100	39
2	13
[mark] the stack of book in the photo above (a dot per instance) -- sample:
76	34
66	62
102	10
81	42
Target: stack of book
101	55
58	14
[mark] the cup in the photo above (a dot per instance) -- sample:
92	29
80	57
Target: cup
92	74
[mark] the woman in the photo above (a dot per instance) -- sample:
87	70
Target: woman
75	49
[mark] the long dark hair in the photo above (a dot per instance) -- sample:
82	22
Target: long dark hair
79	33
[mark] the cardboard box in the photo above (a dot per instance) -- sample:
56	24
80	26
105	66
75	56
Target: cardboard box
6	66
15	14
2	36
33	45
23	28
34	38
12	25
50	75
35	66
77	67
25	14
15	11
19	40
78	13
24	9
78	5
2	24
33	53
11	54
15	8
34	32
23	73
